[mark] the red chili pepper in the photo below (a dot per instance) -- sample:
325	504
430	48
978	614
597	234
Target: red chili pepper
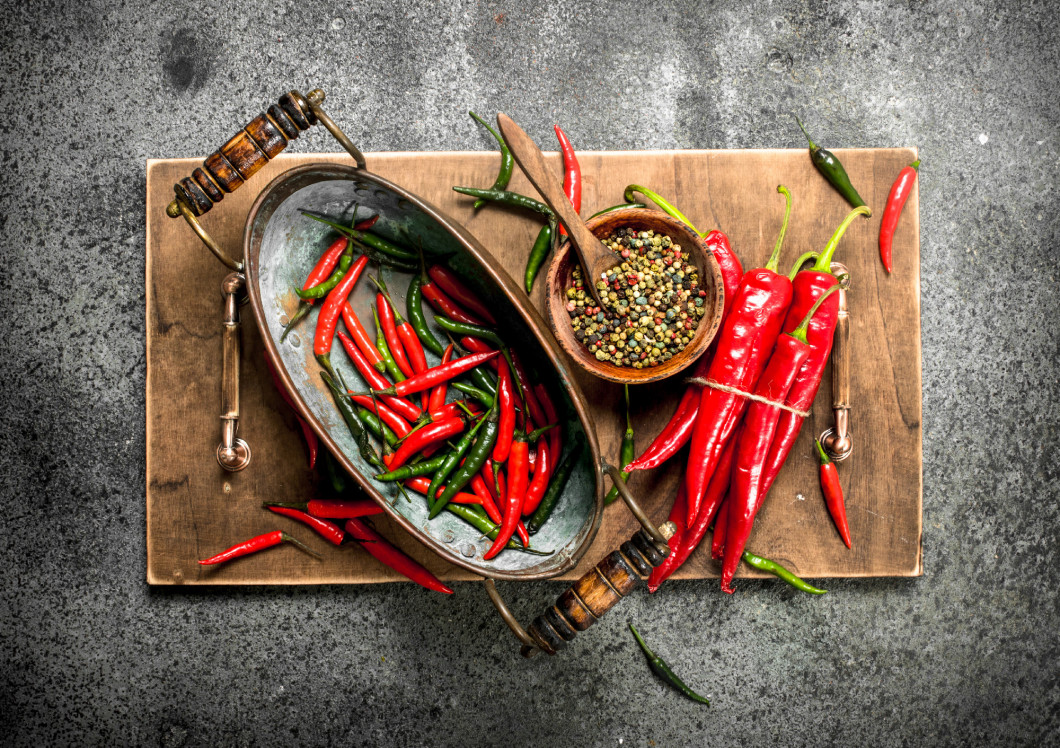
808	287
478	345
900	192
513	503
677	432
312	443
396	423
551	415
327	530
572	174
478	485
686	540
342	508
717	541
437	375
377	381
506	409
453	410
747	338
325	265
756	436
259	543
541	471
437	397
421	484
442	303
451	284
366	224
833	494
332	308
430	434
361	338
383	550
393	341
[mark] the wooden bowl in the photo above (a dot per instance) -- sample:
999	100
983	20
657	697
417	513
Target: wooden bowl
641	219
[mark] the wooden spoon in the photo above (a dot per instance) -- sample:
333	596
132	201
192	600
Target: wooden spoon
595	258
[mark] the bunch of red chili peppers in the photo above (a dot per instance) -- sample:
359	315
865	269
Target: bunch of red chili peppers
492	455
748	395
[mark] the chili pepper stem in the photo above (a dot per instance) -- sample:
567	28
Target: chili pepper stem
799	333
824	260
300	545
813	146
640	640
821	454
774	259
803	259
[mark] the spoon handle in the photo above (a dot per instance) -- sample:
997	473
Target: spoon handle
594	256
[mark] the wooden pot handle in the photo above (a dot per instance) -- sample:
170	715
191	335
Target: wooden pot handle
260	141
598	590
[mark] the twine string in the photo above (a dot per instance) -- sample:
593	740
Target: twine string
703	382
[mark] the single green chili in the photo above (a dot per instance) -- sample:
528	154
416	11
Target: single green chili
384	350
470	514
481	395
368	239
613	208
555	486
504	175
414	309
626	454
832	170
451	462
476	458
360	436
772	567
542	246
416	469
661	669
659	200
504	197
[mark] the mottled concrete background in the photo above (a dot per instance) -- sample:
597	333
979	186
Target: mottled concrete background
967	654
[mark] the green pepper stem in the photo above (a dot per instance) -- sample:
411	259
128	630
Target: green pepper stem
774	259
534	435
915	166
824	260
666	206
301	507
285	538
643	644
813	146
803	259
629	425
799	333
821	454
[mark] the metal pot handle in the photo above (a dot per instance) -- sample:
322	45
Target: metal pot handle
599	589
225	171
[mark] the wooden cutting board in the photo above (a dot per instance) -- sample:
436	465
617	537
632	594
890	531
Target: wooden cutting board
195	509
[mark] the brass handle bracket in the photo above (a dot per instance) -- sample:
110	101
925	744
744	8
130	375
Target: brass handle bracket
837	440
233	454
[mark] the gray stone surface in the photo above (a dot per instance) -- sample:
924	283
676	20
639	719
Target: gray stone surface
967	654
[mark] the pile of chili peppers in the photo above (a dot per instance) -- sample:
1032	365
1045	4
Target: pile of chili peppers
747	398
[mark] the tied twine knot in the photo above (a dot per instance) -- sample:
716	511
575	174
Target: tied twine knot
703	382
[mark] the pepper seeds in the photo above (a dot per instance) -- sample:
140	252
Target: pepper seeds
652	302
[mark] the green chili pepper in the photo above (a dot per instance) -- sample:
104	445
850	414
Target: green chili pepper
411	471
507	162
542	246
352	422
476	457
414	308
772	567
482	396
384	350
661	669
452	460
483	524
485	333
373	423
626	453
555	487
323	289
504	197
368	239
833	171
659	200
613	208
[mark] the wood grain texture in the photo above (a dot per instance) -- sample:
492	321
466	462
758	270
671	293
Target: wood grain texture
195	509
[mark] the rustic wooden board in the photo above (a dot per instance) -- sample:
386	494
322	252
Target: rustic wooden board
194	508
